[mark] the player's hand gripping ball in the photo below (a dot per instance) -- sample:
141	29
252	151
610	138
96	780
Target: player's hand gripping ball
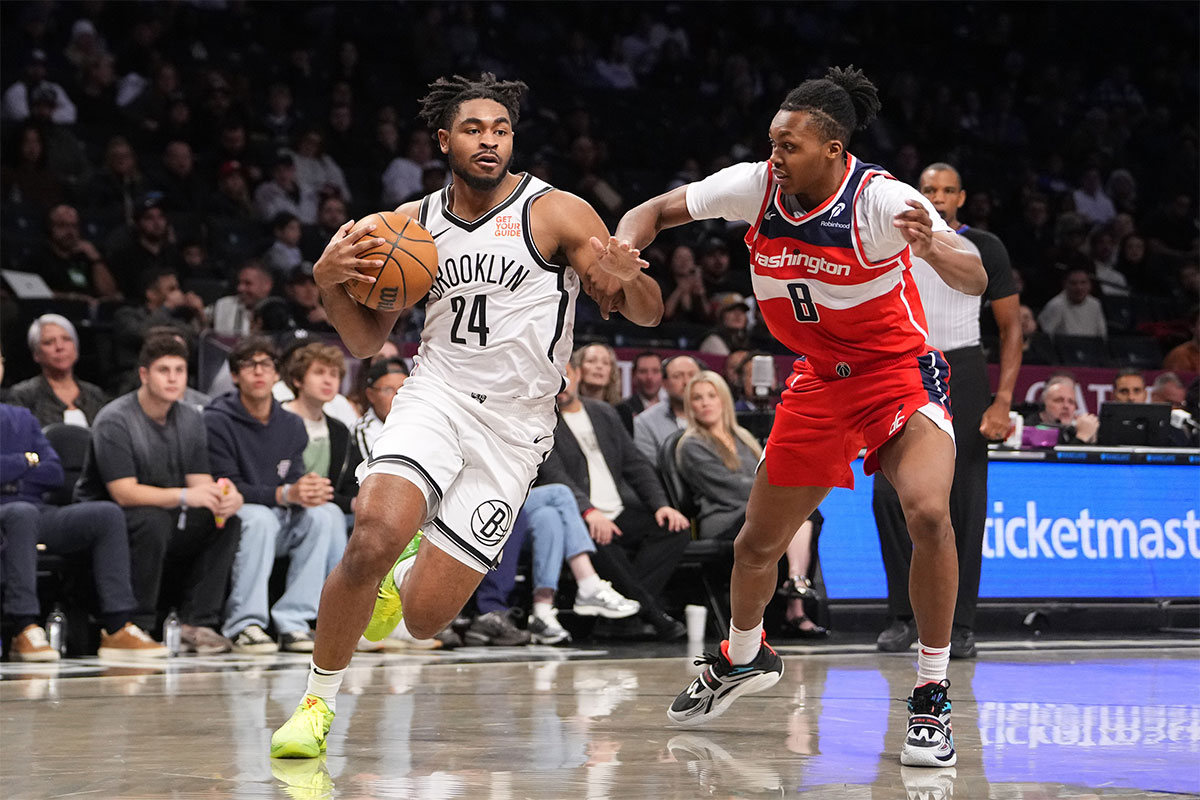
409	257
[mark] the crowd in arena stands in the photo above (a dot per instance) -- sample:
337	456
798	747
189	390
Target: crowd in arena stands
172	180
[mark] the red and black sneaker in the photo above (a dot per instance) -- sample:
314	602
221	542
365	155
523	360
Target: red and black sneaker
723	682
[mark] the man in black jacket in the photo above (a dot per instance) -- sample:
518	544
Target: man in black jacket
639	537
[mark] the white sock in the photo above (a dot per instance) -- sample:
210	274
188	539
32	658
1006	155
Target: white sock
542	610
324	683
931	663
401	570
589	585
744	645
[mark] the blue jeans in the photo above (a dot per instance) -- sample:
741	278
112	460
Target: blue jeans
558	532
313	538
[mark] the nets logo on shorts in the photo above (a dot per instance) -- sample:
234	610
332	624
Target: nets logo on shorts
491	521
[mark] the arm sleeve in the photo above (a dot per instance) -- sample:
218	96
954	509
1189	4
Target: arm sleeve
881	200
999	268
707	474
734	193
48	474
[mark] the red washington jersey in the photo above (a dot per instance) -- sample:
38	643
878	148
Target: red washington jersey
833	284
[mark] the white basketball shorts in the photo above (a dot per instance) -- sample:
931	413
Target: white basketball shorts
474	458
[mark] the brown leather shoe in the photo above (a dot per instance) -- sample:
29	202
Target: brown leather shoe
130	642
32	644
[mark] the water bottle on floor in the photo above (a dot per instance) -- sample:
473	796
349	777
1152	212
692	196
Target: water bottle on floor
56	630
171	633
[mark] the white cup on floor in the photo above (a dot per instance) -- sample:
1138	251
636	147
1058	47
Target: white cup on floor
696	617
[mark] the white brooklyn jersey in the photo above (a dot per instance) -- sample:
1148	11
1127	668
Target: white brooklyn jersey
499	318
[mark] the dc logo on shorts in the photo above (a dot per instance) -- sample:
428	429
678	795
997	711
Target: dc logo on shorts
491	521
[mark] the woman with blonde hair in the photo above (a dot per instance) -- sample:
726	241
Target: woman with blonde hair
718	459
599	377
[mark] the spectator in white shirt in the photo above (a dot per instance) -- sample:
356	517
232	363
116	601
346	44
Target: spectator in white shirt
285	193
19	97
1073	311
232	314
1090	200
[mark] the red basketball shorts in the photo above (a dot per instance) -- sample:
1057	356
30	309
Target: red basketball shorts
822	423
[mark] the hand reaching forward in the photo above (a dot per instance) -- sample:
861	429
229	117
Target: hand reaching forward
619	259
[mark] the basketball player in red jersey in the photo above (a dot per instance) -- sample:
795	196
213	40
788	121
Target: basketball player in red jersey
830	244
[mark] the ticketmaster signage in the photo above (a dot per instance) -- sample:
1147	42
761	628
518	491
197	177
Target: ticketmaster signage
1053	530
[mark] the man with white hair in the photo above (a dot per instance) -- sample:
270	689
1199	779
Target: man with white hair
1060	408
57	395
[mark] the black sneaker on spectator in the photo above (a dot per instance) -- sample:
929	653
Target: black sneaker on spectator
449	638
545	628
296	642
253	640
668	629
899	636
607	602
495	628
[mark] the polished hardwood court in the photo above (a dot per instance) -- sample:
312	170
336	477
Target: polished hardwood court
1031	720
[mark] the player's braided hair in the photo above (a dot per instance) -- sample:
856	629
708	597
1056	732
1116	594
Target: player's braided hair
447	94
842	102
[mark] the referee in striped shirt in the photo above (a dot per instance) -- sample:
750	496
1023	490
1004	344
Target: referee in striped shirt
953	319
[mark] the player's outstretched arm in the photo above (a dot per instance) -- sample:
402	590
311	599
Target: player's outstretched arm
611	273
960	268
363	330
641	224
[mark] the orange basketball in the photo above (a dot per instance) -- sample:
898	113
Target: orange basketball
410	263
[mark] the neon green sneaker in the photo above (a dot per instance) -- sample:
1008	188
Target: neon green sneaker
387	613
303	736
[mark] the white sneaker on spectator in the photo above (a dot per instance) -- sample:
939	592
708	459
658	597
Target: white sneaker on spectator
401	639
365	645
606	602
544	628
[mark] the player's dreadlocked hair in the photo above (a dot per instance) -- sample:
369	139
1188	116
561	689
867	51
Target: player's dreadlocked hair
447	94
842	102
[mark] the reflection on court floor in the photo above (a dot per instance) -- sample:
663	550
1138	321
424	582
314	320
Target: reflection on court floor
549	723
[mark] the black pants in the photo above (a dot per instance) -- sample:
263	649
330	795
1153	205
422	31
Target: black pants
201	553
641	561
970	396
97	528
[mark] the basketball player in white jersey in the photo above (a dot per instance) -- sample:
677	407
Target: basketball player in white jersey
470	427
